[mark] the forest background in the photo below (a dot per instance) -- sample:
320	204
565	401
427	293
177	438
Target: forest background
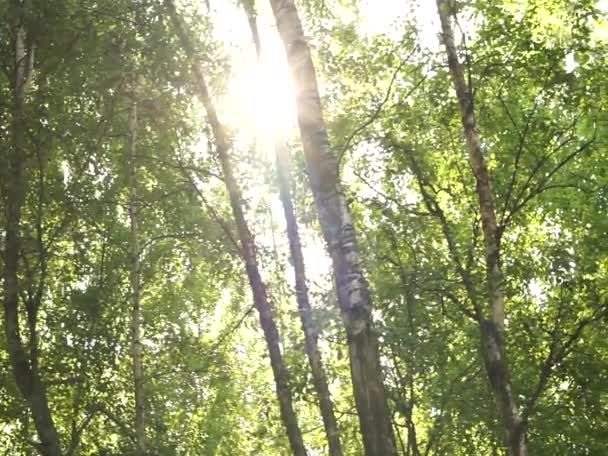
336	227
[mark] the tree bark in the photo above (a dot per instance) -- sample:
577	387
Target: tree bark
26	371
492	329
135	279
297	258
248	251
337	226
304	308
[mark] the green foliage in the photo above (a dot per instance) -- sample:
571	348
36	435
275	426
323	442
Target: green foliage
538	72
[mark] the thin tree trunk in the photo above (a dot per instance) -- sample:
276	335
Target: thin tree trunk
297	258
304	308
250	10
407	381
135	278
248	251
337	226
25	370
492	329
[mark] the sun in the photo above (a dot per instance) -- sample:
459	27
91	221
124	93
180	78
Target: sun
258	103
260	100
273	96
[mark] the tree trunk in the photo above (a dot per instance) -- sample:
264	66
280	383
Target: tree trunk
492	329
304	308
337	226
297	258
135	278
26	372
248	251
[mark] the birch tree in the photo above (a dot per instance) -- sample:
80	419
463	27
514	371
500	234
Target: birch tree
283	167
340	236
492	328
24	362
135	282
248	250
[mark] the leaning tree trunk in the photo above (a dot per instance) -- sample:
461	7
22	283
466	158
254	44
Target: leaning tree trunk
248	251
135	279
304	308
25	368
297	258
337	226
492	329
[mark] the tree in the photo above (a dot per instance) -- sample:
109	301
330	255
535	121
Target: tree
83	179
24	362
492	329
248	252
339	233
283	167
304	307
135	278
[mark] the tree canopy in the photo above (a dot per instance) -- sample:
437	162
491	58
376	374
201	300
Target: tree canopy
343	227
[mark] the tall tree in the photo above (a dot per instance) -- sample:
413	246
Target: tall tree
304	308
339	233
283	166
25	365
248	248
492	328
135	282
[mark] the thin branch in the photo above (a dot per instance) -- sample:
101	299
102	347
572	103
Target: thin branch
538	166
380	107
435	209
116	420
212	212
392	199
78	430
160	237
541	187
520	147
557	356
224	337
435	431
180	166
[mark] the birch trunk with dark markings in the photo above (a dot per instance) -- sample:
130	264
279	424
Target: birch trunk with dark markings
25	368
337	226
492	329
248	251
135	279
